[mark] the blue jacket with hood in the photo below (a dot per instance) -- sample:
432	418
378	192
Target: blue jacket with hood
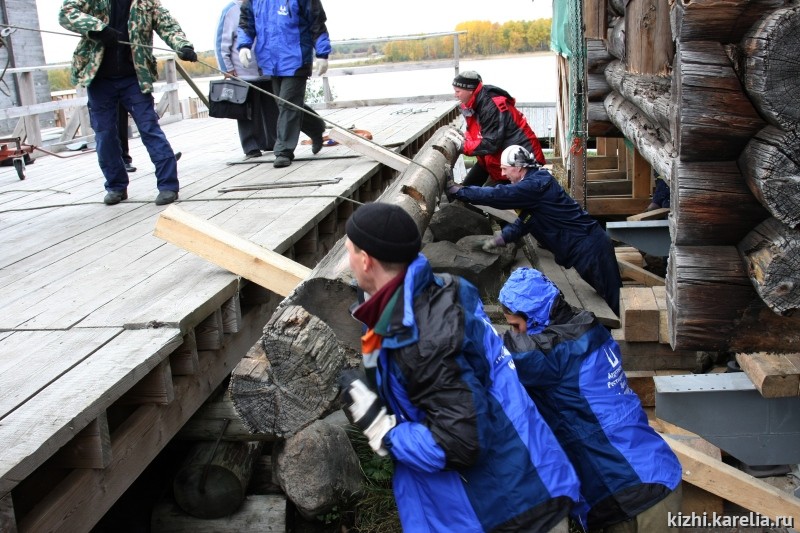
572	369
470	451
289	34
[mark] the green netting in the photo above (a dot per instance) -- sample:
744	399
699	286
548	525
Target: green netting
559	33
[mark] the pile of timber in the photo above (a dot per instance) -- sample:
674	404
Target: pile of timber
720	124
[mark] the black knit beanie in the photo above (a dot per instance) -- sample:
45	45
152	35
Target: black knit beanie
467	80
384	231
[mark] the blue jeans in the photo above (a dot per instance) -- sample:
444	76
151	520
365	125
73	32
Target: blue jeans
105	95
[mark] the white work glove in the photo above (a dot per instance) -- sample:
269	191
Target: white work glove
456	136
322	66
244	57
365	411
493	243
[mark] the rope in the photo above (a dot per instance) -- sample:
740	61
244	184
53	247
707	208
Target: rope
53	206
250	85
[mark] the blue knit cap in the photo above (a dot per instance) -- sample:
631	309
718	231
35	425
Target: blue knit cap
530	292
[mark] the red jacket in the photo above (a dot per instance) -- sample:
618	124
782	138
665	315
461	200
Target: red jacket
493	124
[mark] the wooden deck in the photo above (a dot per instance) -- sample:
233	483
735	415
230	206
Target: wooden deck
110	338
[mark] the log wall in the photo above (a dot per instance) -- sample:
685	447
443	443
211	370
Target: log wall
715	122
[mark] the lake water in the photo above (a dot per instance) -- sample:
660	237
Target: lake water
528	78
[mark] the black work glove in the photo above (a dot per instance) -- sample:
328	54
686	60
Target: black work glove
187	54
108	36
365	410
450	189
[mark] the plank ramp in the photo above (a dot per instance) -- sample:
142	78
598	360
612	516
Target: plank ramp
111	336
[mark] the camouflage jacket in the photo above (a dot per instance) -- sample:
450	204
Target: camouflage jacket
83	16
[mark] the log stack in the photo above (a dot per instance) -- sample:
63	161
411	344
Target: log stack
722	129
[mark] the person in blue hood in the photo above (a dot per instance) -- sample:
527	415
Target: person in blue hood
554	219
572	369
441	396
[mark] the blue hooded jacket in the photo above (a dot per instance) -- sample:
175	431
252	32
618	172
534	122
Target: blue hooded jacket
470	451
287	34
572	369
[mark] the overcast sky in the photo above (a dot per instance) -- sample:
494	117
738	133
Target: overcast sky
347	19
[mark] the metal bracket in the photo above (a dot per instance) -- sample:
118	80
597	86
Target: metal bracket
650	236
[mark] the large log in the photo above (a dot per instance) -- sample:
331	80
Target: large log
651	94
616	38
771	253
724	21
289	378
713	117
711	204
770	165
712	306
648	46
212	481
771	68
597	56
653	142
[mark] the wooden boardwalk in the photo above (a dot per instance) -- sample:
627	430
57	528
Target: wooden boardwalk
110	338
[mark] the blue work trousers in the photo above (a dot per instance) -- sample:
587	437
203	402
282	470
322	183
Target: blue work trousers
105	95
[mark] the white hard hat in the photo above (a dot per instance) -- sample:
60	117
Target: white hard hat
517	156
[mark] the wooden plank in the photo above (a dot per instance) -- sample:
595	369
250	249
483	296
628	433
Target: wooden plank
603	175
369	149
208	334
636	273
8	521
270	270
184	360
30	361
156	387
207	422
733	485
694	499
232	314
91	448
609	188
656	214
51	418
616	206
629	254
641	382
259	512
609	162
774	375
639	314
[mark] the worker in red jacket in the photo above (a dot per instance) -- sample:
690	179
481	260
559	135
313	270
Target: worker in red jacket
493	124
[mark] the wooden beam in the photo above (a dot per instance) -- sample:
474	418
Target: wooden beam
91	448
656	214
8	522
156	387
209	333
208	421
639	314
774	375
733	485
637	273
616	206
184	359
369	149
231	252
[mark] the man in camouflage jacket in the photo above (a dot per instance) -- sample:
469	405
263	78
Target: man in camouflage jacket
116	73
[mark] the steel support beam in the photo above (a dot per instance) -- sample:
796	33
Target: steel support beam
649	236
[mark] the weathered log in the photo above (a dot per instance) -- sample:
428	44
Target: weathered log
616	38
770	165
711	204
652	141
724	21
772	69
289	379
598	87
212	481
712	305
258	513
771	253
651	94
595	19
714	119
217	419
597	56
617	7
648	47
598	122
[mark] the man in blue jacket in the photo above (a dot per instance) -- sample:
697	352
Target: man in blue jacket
554	219
442	399
287	34
572	369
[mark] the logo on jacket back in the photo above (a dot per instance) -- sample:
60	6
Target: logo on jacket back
283	10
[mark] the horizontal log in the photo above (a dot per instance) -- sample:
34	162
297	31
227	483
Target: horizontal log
771	69
257	513
616	38
724	21
651	94
713	119
771	253
597	56
712	305
771	167
653	142
711	204
599	124
598	87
